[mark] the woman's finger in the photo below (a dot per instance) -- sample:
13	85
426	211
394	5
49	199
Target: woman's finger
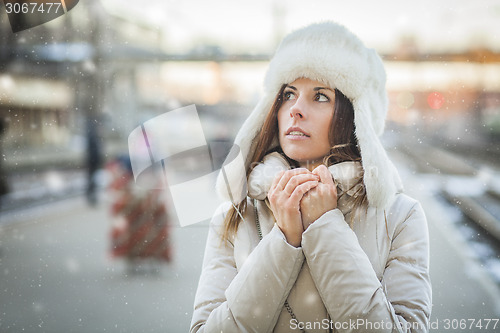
285	177
277	178
298	180
324	175
302	189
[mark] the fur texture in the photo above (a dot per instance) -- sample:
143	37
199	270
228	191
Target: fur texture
331	54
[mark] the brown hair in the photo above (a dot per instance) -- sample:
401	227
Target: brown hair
342	139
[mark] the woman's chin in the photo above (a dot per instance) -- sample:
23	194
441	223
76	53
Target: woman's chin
305	161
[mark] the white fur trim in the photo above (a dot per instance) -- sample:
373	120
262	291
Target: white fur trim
262	176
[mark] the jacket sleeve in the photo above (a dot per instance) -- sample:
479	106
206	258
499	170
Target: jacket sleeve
248	300
349	286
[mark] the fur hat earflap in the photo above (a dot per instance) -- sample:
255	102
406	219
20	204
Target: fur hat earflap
331	54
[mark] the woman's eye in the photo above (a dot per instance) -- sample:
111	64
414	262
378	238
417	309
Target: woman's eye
288	95
322	98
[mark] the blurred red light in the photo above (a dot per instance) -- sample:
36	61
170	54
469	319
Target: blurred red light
435	100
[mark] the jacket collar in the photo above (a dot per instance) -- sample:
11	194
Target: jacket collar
348	177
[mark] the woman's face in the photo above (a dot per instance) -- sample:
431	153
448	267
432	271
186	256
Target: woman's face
304	121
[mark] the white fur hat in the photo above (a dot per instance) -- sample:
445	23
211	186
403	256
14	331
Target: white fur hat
331	54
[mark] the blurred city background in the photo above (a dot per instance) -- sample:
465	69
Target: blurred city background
73	89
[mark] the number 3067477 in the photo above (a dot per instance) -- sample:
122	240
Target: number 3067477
470	324
33	7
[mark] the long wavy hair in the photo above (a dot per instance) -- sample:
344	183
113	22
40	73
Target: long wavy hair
343	142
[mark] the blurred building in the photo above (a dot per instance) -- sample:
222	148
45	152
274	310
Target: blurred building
452	96
59	77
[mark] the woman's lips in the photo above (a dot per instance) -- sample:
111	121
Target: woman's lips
297	135
296	132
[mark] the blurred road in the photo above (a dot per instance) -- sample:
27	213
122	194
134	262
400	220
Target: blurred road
462	288
56	275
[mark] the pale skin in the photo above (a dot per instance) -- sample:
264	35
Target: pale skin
300	196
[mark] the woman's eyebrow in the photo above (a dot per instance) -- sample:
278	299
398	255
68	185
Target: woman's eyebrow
291	87
320	88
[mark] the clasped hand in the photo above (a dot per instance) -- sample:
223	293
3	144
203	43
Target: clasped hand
299	197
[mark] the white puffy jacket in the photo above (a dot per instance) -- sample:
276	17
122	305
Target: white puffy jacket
371	278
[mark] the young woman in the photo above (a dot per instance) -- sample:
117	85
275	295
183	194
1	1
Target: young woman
325	240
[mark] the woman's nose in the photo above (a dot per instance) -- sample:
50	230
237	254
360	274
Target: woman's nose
297	110
295	113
